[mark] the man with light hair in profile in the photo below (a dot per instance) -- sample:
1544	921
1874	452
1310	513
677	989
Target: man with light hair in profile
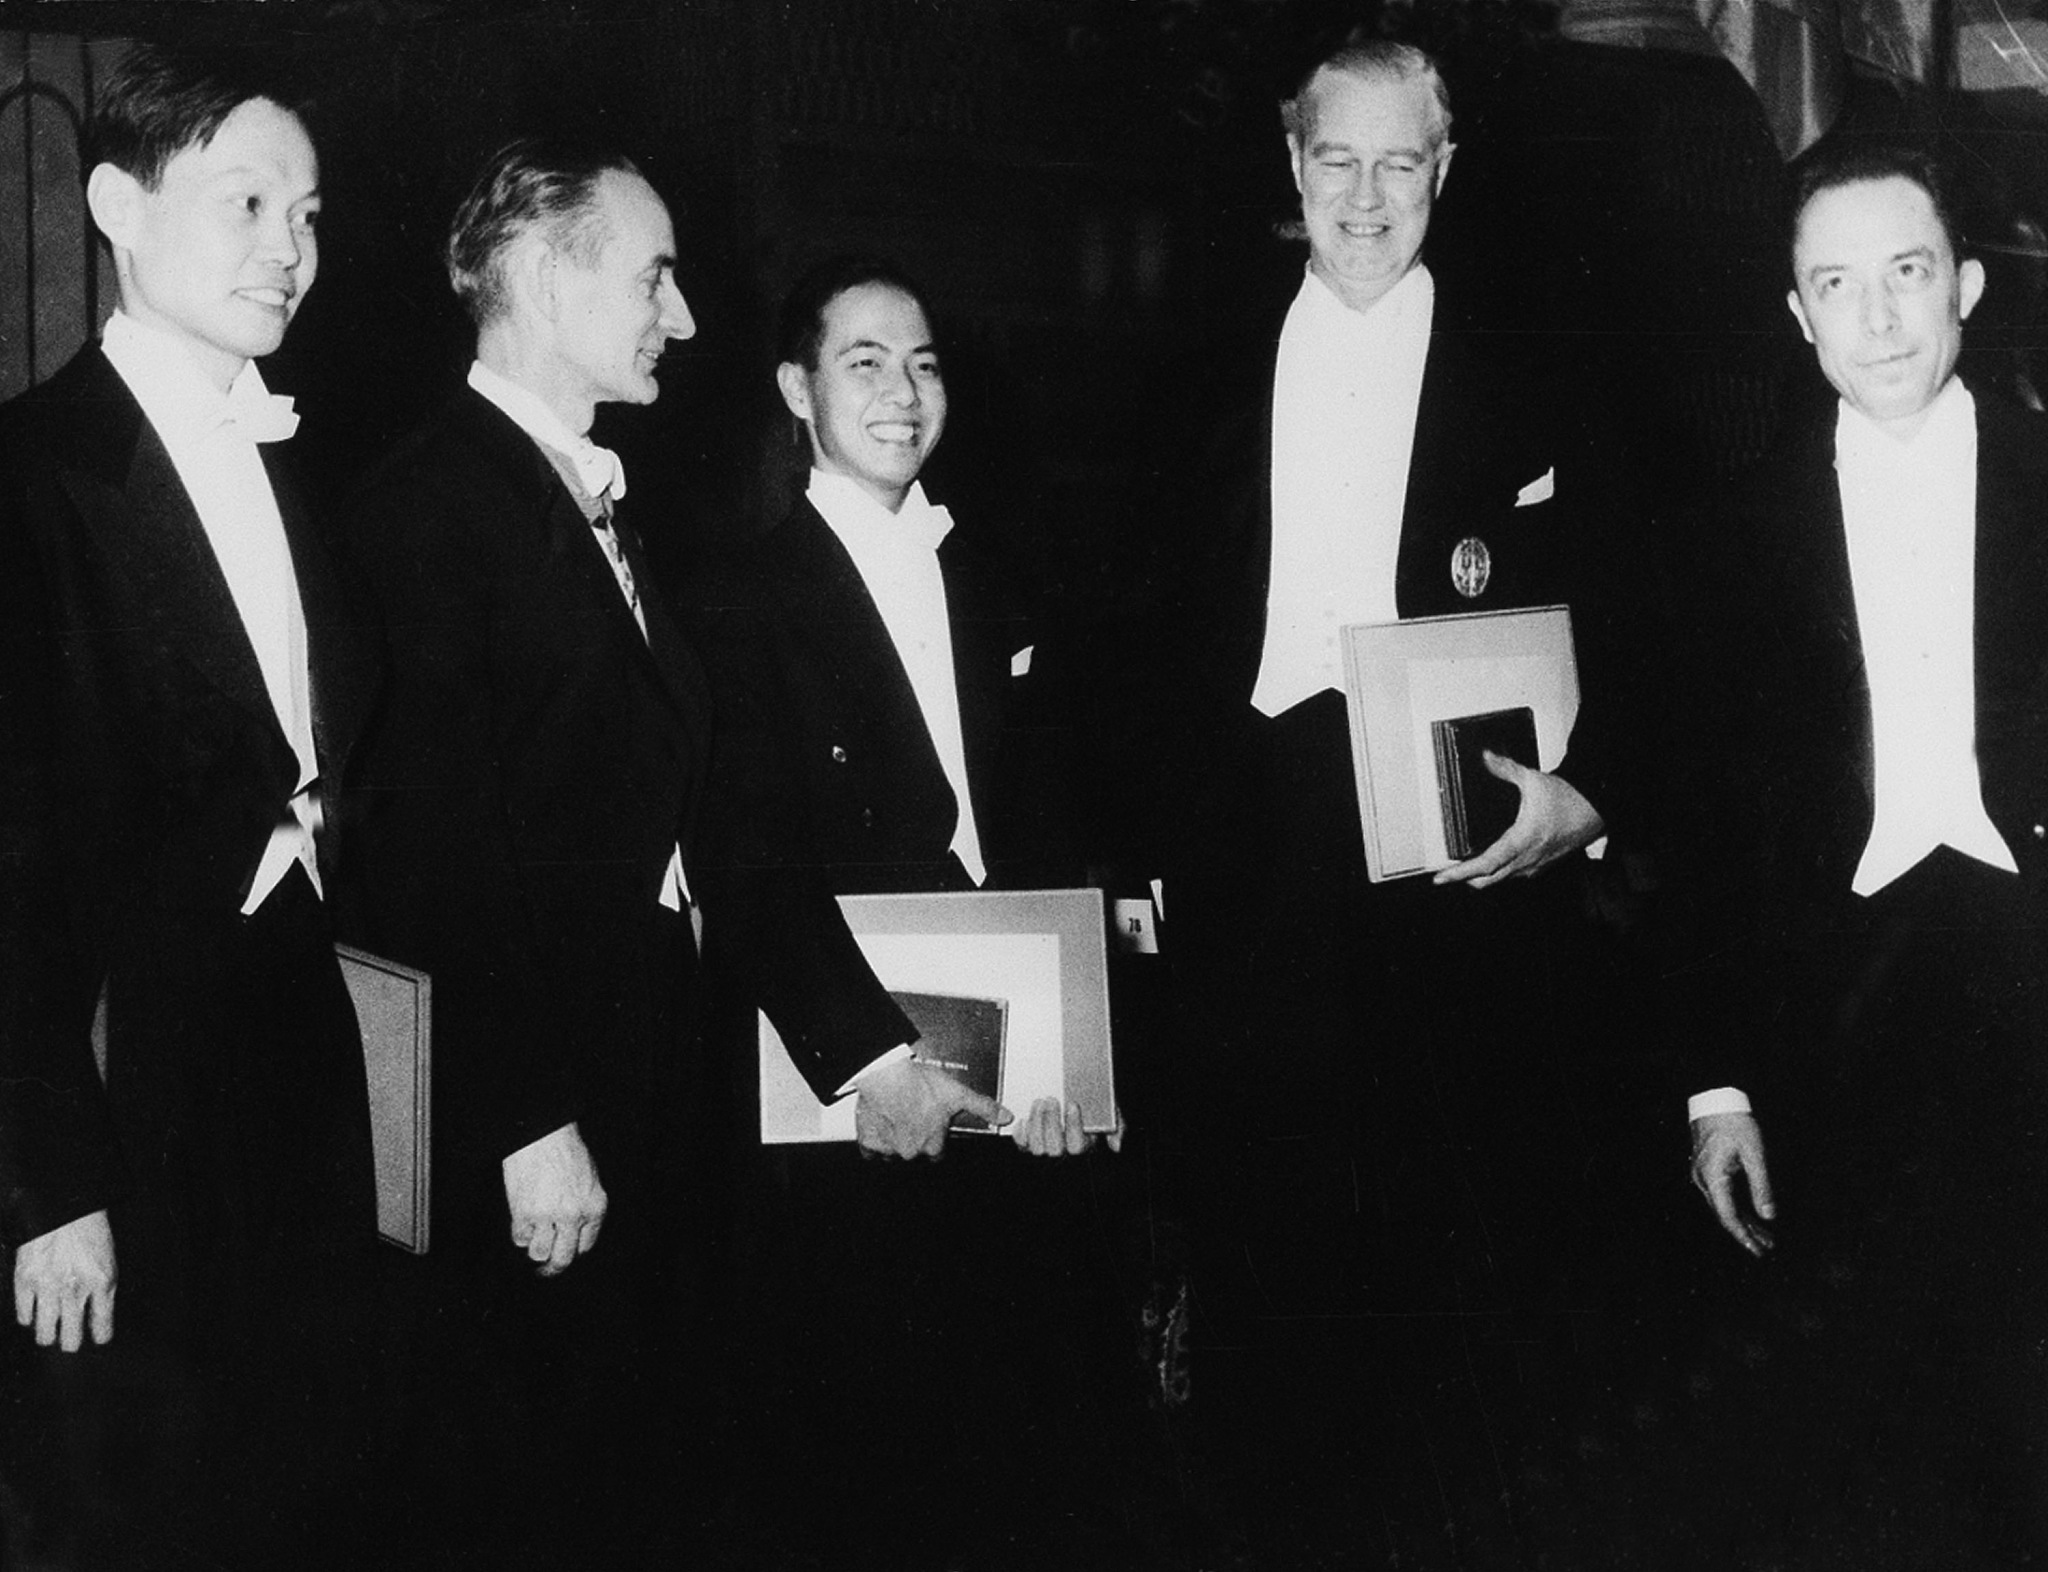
1373	1180
528	796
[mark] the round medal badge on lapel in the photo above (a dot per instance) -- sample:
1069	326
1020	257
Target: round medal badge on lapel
1471	567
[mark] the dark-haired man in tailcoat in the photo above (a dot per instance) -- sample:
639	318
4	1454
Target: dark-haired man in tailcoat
182	1105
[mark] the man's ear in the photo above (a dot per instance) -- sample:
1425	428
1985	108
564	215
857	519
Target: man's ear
795	383
1799	313
1294	160
114	198
535	276
1443	168
1970	286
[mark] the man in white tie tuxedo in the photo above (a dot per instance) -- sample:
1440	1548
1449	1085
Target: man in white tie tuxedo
528	793
870	659
180	684
1400	1055
1870	766
861	702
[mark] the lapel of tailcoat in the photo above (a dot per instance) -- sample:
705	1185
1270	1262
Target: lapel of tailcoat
832	613
126	490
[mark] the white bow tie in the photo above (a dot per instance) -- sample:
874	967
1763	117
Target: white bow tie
599	471
259	416
922	527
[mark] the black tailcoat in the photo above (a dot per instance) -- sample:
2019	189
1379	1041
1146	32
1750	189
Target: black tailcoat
534	764
1266	885
1892	1044
142	771
1486	429
1783	714
829	781
912	1339
1373	1080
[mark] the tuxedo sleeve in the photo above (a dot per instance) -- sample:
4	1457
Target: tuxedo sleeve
58	1156
770	917
1612	585
1710	807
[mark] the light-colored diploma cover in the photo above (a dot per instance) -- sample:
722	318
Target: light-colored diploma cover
394	1009
1038	954
1400	678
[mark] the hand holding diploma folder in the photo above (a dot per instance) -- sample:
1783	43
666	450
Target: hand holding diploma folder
1429	700
1479	806
1009	984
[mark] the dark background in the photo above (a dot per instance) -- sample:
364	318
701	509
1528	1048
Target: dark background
1092	191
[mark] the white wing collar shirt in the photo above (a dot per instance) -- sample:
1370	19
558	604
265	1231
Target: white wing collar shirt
897	556
598	470
1910	512
596	479
211	437
1345	388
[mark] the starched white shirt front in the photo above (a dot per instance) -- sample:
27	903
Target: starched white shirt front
1345	388
897	557
1909	514
597	469
1909	509
211	437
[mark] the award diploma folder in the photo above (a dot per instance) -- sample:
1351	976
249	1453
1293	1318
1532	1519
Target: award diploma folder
1421	693
394	1012
394	1008
1009	991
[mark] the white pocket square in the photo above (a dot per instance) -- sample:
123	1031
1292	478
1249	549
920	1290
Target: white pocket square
1020	663
1541	489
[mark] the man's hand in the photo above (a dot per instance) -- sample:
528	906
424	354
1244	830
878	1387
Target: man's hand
1724	1145
64	1283
1553	821
556	1202
902	1109
1042	1133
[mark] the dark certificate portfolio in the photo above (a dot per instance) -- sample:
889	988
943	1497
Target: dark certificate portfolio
963	1037
1478	805
1427	696
1009	989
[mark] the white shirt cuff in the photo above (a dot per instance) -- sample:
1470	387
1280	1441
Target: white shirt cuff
894	1056
1722	1099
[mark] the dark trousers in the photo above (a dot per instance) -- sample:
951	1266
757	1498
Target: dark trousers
1377	1137
1898	1336
930	1365
228	1422
557	1422
536	1423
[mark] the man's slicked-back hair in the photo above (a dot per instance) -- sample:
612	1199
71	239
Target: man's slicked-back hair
1853	161
1376	60
800	335
161	99
545	183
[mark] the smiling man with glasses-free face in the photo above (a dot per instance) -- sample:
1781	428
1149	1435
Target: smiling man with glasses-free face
1369	163
219	250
